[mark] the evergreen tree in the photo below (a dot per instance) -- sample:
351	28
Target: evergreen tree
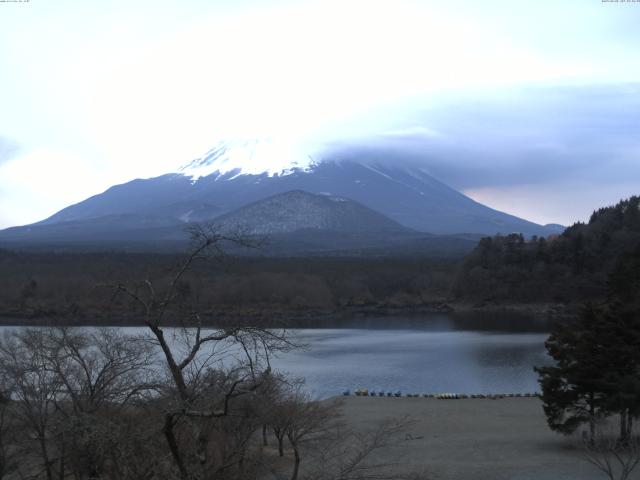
624	281
597	370
571	389
621	373
622	376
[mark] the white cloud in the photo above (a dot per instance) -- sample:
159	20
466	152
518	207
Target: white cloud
414	131
39	183
8	149
292	71
135	89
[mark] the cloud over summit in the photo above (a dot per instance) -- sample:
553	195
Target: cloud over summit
8	149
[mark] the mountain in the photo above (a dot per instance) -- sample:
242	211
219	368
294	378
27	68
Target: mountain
111	230
234	175
298	210
294	223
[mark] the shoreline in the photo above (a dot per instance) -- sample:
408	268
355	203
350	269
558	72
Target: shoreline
534	314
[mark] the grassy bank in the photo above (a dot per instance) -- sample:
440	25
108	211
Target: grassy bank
474	438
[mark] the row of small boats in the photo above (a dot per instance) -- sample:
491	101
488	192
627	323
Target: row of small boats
364	392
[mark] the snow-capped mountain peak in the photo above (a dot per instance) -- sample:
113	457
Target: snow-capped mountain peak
238	173
251	157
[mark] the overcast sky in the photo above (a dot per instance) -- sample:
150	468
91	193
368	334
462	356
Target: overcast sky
531	107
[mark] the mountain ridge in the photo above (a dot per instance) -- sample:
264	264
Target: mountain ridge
406	194
412	198
297	210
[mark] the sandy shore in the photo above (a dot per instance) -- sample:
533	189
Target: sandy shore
475	438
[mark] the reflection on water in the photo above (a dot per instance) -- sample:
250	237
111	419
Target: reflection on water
432	354
416	361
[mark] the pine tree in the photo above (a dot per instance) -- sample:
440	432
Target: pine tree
572	388
597	370
622	376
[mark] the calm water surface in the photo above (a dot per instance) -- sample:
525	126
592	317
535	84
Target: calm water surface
433	354
416	361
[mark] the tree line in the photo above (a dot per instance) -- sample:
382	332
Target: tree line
65	287
570	267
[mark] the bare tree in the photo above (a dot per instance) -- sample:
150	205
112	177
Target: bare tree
183	401
617	460
102	372
317	434
194	352
346	454
8	449
69	389
308	421
99	368
279	419
34	388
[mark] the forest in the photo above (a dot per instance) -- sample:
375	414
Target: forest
73	288
568	268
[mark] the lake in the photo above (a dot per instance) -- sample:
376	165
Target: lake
431	354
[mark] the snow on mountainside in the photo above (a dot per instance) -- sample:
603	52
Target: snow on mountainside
298	210
248	157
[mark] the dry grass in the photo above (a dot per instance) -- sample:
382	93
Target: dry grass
475	439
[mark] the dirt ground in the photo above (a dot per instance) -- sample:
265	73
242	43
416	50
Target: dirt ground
475	438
